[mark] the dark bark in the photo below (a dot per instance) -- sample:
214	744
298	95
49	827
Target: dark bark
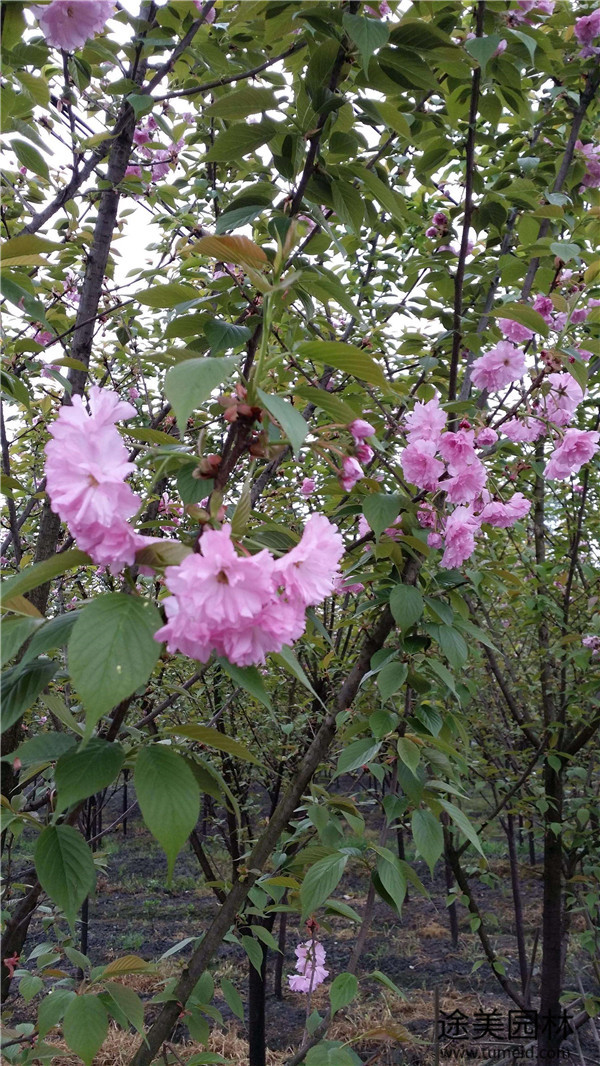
509	828
550	1036
280	958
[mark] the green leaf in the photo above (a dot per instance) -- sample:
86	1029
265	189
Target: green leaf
331	1053
344	357
419	35
29	157
85	1026
391	876
45	747
234	249
81	773
21	686
224	335
38	574
462	823
381	510
125	965
342	991
390	678
287	659
15	632
390	200
129	1006
235	217
190	383
243	102
359	753
239	140
29	986
289	418
112	651
168	796
254	952
54	634
406	605
322	878
27	245
524	315
565	250
166	296
453	646
248	678
65	868
482	49
384	980
349	205
409	754
367	34
213	738
52	1009
428	836
332	405
444	675
140	102
232	998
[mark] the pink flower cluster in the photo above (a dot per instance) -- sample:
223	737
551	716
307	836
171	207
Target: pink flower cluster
86	467
592	642
586	30
460	473
245	606
310	958
69	23
499	367
439	226
591	154
352	471
160	159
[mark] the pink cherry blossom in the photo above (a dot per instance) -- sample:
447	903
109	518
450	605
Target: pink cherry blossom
310	958
592	642
486	437
133	171
308	486
86	467
524	430
466	484
68	24
457	449
427	516
360	429
308	571
576	448
440	220
420	466
434	540
579	315
514	331
350	473
363	526
501	49
426	421
562	400
586	30
506	514
591	154
212	14
364	453
43	336
544	307
585	355
498	367
459	537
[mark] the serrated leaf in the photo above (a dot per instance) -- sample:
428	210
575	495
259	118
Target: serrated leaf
367	34
483	48
239	140
242	102
169	798
381	510
29	157
167	296
359	753
453	646
33	576
224	335
428	836
254	952
65	867
213	738
125	965
342	991
52	1009
289	418
81	773
524	315
21	686
85	1026
248	678
129	1005
54	634
190	383
45	747
239	250
332	405
390	678
320	881
15	631
409	754
345	357
232	998
406	605
112	651
462	822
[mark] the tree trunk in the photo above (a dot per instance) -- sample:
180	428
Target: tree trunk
550	1035
509	827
